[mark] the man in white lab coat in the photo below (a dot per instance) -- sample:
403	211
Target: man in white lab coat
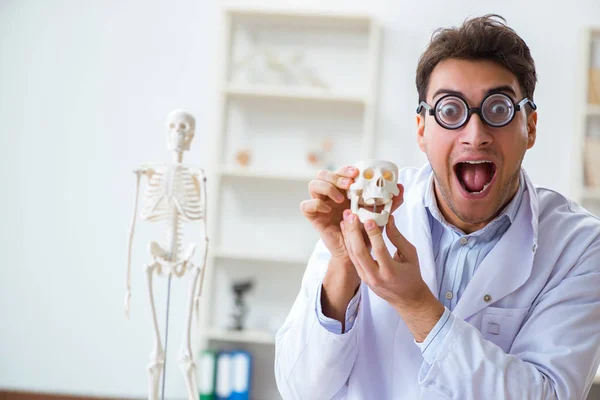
481	285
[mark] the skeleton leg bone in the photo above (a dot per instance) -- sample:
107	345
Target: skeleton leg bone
202	270
157	356
188	366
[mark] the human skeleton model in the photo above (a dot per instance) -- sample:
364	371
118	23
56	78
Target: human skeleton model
374	186
175	194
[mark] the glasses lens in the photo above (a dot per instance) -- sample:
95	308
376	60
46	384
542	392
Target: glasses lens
451	112
498	109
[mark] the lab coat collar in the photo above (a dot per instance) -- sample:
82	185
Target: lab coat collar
507	266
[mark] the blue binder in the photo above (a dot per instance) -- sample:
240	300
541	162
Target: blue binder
241	374
223	383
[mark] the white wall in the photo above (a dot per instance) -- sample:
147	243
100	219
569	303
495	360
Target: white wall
84	91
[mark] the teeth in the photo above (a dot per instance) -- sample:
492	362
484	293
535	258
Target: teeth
476	162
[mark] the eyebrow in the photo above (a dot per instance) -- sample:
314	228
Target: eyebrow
497	89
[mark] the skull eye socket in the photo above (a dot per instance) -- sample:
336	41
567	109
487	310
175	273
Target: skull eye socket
171	125
388	175
368	173
182	126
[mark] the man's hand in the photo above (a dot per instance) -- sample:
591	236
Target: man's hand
395	279
324	209
325	212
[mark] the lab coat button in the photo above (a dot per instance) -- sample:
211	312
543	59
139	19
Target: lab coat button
487	298
449	295
351	319
463	240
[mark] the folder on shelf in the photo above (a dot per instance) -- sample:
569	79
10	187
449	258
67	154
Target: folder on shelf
241	374
594	86
207	373
223	382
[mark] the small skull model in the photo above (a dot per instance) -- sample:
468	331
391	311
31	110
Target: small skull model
374	186
181	128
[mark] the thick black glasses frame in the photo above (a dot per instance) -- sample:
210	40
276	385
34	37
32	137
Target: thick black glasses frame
474	110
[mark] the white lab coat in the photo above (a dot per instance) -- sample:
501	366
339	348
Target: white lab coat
537	338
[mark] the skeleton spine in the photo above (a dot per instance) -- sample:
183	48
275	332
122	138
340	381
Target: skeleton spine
174	235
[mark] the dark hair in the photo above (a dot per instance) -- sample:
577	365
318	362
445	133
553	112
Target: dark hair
481	38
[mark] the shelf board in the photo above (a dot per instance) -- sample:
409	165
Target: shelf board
253	173
593	110
326	19
590	193
245	336
254	256
293	93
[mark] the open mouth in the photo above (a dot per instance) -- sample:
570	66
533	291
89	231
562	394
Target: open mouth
475	176
375	208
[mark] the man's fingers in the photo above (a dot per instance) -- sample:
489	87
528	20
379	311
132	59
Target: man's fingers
378	244
347	171
311	207
356	244
404	247
319	189
342	178
346	235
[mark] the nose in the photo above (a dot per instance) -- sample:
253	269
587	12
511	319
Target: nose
475	133
380	182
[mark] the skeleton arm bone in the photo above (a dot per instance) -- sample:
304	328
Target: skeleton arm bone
138	174
202	178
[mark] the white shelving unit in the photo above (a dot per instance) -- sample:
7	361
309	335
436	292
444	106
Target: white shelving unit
589	125
278	117
588	139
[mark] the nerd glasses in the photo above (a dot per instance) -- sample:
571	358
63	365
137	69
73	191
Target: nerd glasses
453	112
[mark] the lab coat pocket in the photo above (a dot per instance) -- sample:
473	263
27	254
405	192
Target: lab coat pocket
501	325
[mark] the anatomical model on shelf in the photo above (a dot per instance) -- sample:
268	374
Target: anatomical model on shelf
241	309
176	195
263	65
322	156
375	187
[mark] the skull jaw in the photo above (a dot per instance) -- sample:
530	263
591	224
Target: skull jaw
178	143
381	219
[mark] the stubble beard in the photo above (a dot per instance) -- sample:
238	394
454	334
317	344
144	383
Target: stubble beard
506	192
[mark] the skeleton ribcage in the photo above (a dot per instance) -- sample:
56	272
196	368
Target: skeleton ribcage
173	189
175	196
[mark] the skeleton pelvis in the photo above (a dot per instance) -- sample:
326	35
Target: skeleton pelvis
176	265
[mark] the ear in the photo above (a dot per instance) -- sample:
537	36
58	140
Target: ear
421	132
531	129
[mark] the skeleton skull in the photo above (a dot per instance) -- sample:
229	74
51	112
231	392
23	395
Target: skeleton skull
181	127
374	186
